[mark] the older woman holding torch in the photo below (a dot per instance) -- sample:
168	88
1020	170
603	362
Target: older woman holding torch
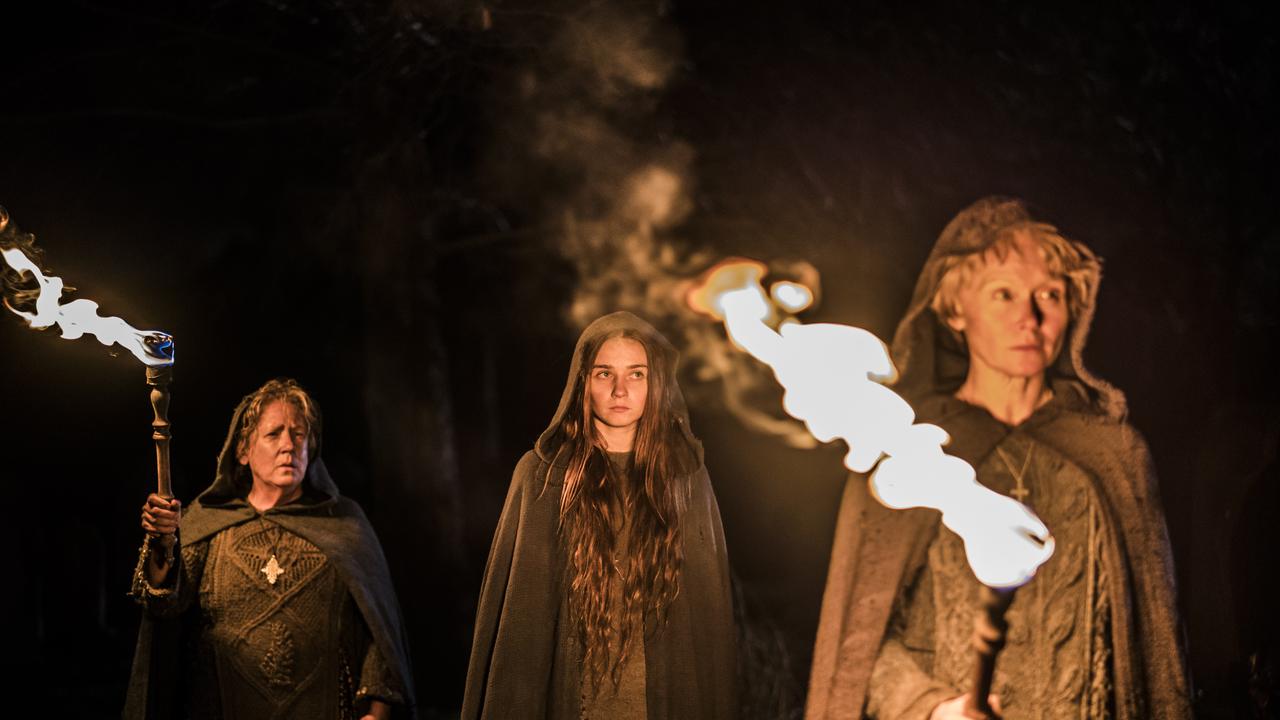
278	602
990	350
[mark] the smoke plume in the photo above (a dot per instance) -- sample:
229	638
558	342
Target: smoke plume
615	187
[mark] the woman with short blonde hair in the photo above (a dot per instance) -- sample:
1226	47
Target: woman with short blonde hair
991	350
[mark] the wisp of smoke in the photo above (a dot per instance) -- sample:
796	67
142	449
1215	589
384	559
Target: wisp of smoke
589	115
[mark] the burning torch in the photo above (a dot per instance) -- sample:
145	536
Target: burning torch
833	377
36	298
160	346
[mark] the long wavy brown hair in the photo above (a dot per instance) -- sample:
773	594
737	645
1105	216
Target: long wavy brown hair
597	501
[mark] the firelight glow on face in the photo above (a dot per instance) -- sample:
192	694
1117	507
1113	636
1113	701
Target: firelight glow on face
278	455
1013	313
619	383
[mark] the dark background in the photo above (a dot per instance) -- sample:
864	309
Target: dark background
411	207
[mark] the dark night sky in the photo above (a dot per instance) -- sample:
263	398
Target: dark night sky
373	198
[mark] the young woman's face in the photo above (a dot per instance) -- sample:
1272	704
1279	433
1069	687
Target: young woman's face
1013	313
619	383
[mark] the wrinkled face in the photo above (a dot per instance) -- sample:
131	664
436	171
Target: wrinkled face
1013	313
619	383
277	455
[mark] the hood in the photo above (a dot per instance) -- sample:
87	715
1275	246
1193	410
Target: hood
549	441
930	360
232	481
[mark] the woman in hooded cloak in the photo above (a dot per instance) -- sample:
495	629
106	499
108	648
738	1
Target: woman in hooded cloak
606	593
991	350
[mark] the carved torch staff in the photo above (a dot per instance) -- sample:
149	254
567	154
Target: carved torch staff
160	345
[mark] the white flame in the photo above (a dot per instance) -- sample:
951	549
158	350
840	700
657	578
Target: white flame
832	379
791	296
81	316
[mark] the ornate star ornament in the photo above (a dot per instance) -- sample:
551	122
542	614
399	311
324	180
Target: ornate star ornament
272	570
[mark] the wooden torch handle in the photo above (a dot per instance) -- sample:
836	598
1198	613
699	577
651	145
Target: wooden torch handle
159	378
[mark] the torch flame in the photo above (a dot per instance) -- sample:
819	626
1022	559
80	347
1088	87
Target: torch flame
833	381
792	296
151	347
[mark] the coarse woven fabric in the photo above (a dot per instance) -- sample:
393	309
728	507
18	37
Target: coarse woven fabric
1057	663
874	546
323	517
268	650
526	658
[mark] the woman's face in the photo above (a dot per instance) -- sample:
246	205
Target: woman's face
619	383
1013	313
278	454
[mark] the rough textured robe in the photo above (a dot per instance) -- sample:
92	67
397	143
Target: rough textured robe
324	519
877	550
284	649
526	657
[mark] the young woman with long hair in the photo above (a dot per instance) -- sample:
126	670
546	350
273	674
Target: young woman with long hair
607	589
